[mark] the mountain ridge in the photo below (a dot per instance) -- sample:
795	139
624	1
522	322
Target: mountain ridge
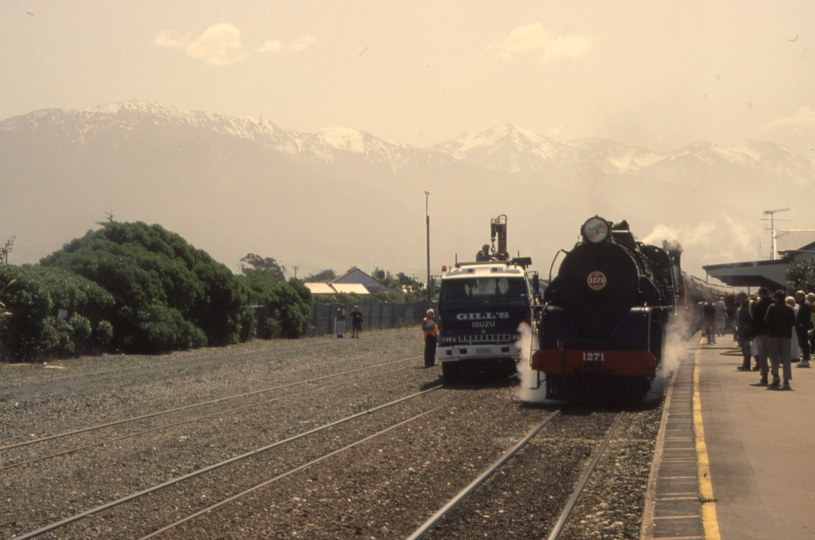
499	148
340	197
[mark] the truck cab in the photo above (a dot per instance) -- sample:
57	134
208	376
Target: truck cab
481	307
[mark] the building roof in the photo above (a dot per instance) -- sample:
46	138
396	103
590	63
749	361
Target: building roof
355	275
356	288
771	274
320	288
787	240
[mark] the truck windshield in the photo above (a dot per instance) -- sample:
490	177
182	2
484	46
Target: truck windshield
492	290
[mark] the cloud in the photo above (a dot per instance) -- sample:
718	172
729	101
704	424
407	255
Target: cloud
302	42
269	46
803	120
533	38
219	45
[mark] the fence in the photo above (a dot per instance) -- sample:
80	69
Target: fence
376	316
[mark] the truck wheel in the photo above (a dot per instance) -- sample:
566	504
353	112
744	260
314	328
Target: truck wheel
450	372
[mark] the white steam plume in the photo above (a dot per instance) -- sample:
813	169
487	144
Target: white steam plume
527	391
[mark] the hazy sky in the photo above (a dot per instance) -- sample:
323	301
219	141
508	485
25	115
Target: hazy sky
654	74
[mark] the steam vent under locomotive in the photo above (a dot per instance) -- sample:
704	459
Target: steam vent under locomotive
601	326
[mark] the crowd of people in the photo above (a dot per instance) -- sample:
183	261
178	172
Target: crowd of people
773	332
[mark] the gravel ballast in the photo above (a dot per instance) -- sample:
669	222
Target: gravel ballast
382	488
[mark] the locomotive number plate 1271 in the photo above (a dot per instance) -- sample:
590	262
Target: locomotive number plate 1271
483	350
594	357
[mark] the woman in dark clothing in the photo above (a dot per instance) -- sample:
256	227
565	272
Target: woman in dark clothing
356	322
744	329
780	320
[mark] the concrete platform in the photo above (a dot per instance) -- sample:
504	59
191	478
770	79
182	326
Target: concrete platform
733	461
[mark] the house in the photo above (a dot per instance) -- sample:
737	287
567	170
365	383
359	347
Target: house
354	281
355	275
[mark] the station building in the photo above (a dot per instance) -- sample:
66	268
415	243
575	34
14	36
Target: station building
768	273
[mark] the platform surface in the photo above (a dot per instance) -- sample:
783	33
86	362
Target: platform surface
760	445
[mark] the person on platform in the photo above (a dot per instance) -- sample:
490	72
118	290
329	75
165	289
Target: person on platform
803	322
795	349
744	329
709	323
780	318
699	317
811	334
430	338
484	254
760	333
721	315
339	321
356	322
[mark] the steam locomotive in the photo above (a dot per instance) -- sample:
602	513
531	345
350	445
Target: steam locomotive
601	326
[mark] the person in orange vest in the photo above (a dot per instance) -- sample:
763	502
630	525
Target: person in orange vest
430	338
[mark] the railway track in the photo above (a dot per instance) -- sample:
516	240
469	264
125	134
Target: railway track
373	459
190	407
469	513
62	524
9	463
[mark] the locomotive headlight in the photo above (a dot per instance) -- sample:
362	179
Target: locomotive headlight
595	229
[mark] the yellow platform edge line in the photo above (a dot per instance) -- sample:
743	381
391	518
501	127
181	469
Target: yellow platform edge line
710	522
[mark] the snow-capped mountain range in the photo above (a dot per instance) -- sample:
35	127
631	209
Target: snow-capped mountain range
222	179
504	149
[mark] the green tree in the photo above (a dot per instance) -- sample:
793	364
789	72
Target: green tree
266	265
801	275
407	283
52	312
322	276
168	294
285	304
6	249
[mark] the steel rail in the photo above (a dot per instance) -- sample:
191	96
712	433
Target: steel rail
182	422
285	474
199	472
463	494
301	467
193	405
558	528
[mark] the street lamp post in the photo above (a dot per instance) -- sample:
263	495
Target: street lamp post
427	221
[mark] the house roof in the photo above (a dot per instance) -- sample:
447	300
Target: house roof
334	288
356	288
355	275
320	288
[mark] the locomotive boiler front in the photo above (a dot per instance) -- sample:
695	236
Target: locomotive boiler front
601	327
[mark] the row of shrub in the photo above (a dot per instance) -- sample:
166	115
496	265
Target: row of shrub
137	288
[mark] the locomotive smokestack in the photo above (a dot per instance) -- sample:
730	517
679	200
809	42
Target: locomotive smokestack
673	249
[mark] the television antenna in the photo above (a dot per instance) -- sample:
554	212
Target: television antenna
772	214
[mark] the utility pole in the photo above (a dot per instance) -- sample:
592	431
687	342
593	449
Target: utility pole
295	271
772	228
427	220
